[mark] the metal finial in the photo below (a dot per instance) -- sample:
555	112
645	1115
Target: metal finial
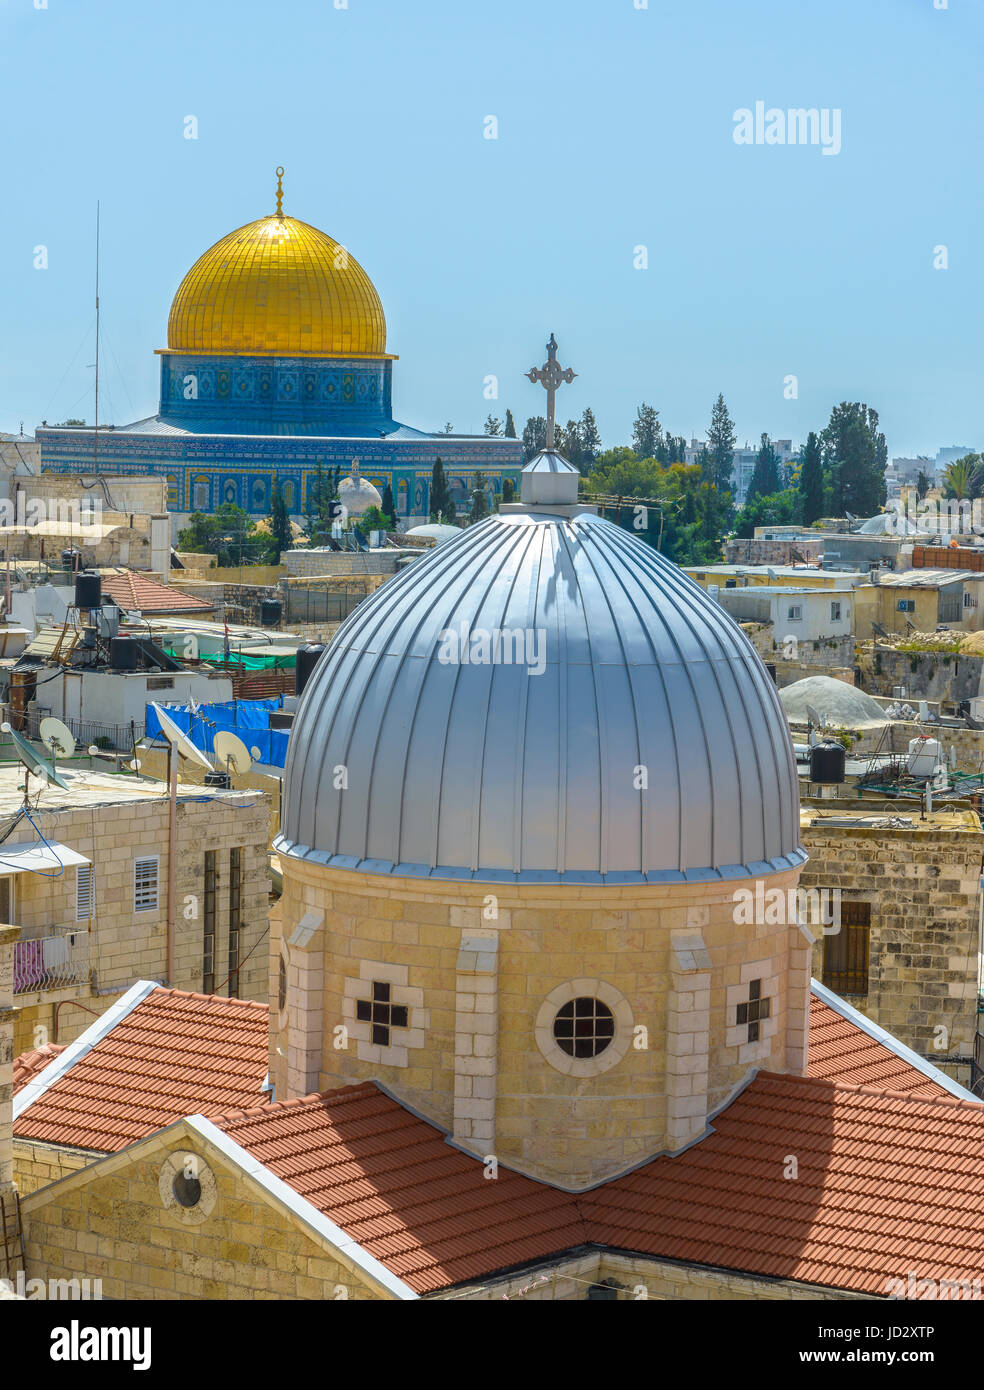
551	375
280	190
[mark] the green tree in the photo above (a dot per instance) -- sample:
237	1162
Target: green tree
441	506
376	519
811	480
388	508
855	455
508	490
765	475
647	432
510	430
721	441
479	509
493	425
570	444
964	478
228	533
780	509
279	521
590	439
534	436
923	483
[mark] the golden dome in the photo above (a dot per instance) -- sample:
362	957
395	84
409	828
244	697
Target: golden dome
277	288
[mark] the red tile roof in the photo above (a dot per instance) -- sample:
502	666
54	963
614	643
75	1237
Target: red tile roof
174	1054
28	1064
840	1051
886	1184
131	590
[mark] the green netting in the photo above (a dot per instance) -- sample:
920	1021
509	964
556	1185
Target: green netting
287	662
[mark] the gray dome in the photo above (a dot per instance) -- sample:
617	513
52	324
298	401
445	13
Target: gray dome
495	773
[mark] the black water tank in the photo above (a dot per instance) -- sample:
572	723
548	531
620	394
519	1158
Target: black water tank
123	653
88	590
218	779
307	658
270	611
827	762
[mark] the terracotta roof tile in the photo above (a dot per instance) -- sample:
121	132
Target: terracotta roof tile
174	1054
840	1051
134	591
887	1183
28	1064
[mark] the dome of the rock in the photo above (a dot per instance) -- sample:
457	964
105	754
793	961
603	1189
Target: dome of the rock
277	287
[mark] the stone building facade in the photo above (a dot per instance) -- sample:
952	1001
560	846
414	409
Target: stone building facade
906	955
117	829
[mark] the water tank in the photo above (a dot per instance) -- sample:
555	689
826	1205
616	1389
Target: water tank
827	762
88	590
307	658
218	779
123	653
270	611
925	755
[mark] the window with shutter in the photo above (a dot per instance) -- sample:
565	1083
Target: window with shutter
146	883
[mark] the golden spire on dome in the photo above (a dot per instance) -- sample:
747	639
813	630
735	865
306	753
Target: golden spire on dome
280	190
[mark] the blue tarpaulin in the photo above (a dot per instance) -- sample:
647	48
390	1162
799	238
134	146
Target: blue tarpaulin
249	720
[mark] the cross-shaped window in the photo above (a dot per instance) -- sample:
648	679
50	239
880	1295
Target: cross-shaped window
754	1010
381	1013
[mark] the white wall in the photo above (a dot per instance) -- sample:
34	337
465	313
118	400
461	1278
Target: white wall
815	622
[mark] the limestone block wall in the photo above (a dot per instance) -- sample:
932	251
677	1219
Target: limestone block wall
8	936
553	1116
36	1165
923	888
638	1278
110	1223
124	945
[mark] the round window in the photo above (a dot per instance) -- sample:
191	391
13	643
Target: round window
584	1027
187	1190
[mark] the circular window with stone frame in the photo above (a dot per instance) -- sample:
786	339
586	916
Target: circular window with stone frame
584	1027
187	1187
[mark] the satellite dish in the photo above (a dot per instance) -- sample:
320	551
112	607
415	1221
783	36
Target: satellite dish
814	717
179	740
57	738
135	766
32	761
231	751
255	753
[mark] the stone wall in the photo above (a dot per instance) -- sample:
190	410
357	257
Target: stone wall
327	563
926	675
923	887
124	945
637	949
36	1165
112	1223
775	552
8	937
638	1278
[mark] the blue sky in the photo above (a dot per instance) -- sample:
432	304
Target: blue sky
615	130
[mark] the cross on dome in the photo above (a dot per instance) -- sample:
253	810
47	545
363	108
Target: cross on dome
550	376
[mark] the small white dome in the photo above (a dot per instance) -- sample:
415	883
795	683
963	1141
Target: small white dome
356	494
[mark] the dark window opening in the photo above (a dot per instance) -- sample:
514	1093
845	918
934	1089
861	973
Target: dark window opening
846	952
235	903
584	1027
208	937
382	1013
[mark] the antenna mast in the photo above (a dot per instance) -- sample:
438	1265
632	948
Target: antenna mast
95	436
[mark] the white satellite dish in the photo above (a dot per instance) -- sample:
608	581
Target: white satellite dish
232	752
255	753
179	740
57	738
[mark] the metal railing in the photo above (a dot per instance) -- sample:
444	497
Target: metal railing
51	962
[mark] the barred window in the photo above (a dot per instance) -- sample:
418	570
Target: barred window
84	892
146	883
846	951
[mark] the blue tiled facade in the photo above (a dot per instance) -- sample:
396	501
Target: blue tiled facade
228	426
278	395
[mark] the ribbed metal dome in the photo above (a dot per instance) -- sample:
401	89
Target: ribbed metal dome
495	773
